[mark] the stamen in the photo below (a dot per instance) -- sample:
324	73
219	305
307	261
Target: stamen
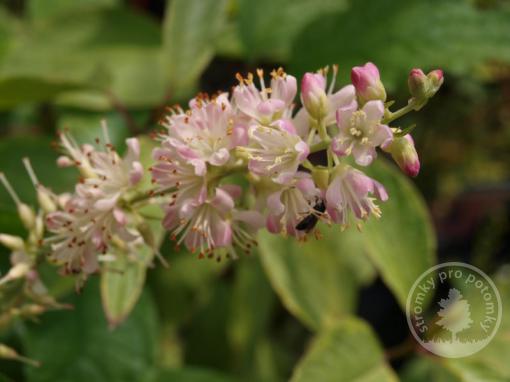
104	127
30	171
9	189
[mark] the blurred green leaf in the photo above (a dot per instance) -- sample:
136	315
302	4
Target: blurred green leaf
77	345
122	282
401	34
250	312
268	27
115	51
345	352
190	374
189	33
404	234
43	9
311	278
425	369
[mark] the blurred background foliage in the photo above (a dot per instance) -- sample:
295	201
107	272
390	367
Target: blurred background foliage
329	310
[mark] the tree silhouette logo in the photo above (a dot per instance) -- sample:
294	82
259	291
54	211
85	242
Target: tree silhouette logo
455	313
453	310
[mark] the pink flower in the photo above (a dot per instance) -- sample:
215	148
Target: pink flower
180	178
211	227
268	104
114	175
275	151
404	153
93	214
361	132
322	101
351	190
82	231
288	206
204	134
368	83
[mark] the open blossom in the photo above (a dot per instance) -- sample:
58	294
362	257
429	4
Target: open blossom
351	190
204	134
275	151
213	225
268	104
179	178
81	232
289	205
92	215
361	131
319	98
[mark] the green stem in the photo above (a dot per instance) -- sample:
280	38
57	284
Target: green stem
411	106
320	146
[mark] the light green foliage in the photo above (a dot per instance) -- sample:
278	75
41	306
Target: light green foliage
401	34
189	31
345	352
403	234
79	346
312	279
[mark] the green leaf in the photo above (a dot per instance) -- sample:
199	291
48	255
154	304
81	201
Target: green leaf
403	235
113	51
425	369
249	322
346	352
189	32
312	280
401	34
42	9
268	27
191	374
122	282
77	345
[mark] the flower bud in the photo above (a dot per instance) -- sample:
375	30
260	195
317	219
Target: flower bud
26	215
404	153
14	243
436	80
368	83
46	200
423	86
314	95
17	271
320	176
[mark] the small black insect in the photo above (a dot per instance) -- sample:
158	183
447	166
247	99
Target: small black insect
309	222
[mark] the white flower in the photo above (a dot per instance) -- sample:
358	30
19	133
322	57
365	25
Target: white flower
361	132
275	151
268	104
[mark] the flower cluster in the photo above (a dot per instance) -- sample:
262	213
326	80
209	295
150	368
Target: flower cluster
232	163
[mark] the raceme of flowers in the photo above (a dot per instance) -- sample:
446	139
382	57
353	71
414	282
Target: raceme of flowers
225	167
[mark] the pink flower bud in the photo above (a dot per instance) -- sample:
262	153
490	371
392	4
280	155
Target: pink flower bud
314	95
404	153
418	83
436	79
368	83
423	86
